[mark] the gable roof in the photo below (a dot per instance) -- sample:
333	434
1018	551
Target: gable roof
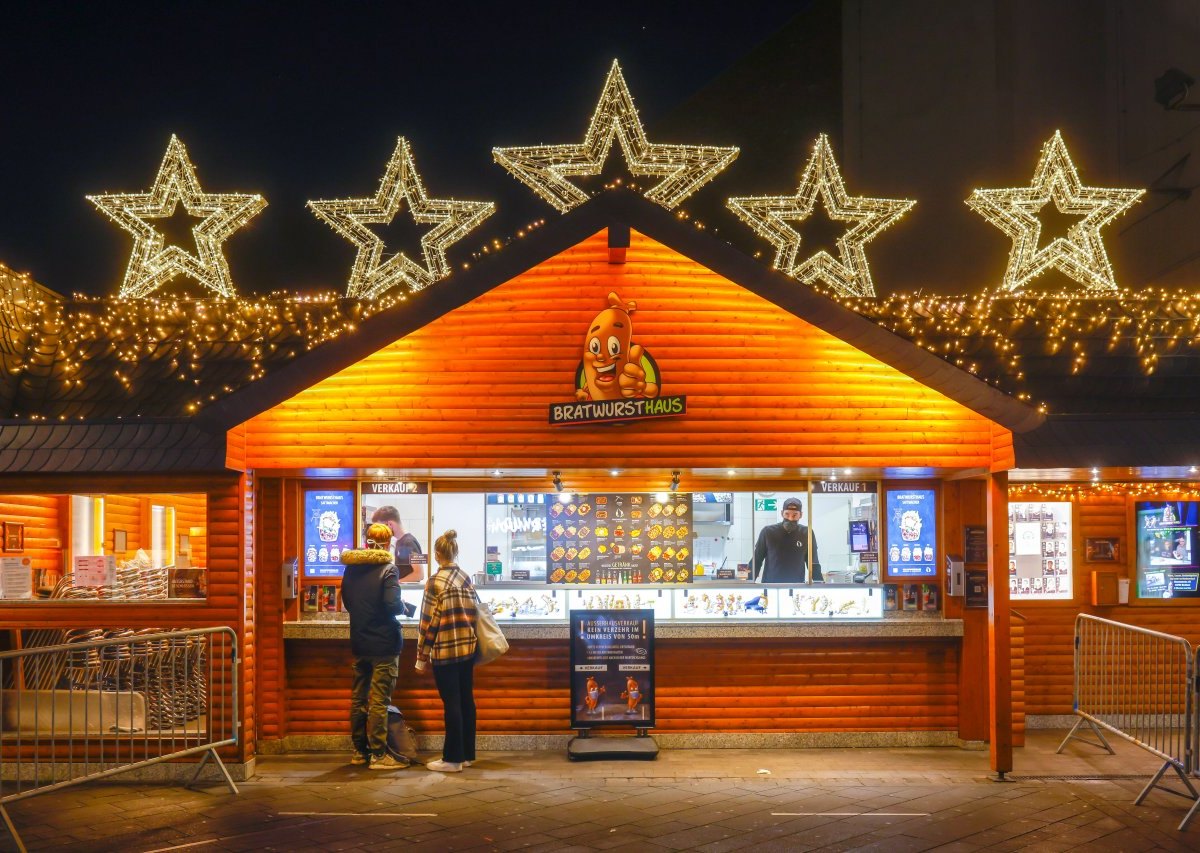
618	211
215	364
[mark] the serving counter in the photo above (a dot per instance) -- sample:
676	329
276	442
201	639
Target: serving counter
762	675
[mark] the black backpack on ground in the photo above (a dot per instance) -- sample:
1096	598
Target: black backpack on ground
401	737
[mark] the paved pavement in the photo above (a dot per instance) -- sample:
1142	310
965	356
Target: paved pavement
715	800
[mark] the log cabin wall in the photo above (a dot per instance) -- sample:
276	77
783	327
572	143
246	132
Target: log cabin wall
45	520
472	388
722	686
227	547
964	502
1050	625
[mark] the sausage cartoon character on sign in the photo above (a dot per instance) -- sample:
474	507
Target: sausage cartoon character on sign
613	366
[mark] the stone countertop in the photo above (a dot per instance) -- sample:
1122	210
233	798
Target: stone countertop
884	628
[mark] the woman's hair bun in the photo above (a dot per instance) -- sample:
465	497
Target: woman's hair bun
451	534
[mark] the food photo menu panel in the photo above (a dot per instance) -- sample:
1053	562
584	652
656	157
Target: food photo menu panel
912	532
620	537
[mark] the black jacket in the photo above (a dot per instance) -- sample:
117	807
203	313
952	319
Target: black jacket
371	593
785	555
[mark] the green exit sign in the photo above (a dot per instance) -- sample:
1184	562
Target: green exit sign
764	504
493	568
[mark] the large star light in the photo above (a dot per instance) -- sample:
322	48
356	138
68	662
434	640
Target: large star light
770	216
545	168
372	275
153	263
1080	255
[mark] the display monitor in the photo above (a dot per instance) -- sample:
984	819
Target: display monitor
860	537
1167	557
328	530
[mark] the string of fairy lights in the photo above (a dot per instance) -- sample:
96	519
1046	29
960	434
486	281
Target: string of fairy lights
988	334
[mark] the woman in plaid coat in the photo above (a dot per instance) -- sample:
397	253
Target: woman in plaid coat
446	639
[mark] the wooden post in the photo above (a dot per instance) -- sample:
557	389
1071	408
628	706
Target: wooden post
1000	724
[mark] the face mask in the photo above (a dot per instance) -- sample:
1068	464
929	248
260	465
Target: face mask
791	526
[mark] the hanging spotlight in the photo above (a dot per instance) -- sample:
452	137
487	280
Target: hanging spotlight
558	486
674	481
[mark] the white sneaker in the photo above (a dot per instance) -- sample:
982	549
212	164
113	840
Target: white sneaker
468	763
445	766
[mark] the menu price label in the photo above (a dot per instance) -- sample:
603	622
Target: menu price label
620	537
975	548
912	532
94	571
16	577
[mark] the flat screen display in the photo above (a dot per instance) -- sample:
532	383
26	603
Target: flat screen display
912	532
328	530
860	537
1167	558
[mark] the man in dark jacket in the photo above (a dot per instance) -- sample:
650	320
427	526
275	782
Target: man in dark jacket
783	548
371	593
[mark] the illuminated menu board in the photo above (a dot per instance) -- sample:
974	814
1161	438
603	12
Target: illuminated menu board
328	530
912	532
620	538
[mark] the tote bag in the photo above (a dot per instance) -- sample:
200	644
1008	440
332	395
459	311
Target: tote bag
491	642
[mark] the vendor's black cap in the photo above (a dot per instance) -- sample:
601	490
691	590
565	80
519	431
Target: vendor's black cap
793	503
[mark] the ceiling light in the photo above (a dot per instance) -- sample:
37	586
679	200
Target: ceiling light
615	472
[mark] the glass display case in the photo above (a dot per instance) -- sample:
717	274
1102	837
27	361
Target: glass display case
631	597
727	602
533	602
524	602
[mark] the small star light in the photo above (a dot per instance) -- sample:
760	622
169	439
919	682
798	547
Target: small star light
151	264
769	217
1080	255
545	168
371	275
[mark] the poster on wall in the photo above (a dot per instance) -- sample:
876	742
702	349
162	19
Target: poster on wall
612	668
328	530
912	532
403	506
620	537
1168	564
1039	550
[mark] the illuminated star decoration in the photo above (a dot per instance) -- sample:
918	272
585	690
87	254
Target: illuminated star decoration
1080	255
769	217
371	274
152	263
545	168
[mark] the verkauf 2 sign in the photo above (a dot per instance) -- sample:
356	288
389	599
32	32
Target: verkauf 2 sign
617	380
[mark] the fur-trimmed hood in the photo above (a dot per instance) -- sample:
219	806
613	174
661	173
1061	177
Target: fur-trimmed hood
366	556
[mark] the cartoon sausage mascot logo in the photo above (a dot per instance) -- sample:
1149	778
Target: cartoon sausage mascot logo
613	366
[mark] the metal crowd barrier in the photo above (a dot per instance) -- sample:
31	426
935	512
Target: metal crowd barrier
85	704
1139	685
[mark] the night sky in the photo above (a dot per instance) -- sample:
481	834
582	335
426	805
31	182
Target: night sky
304	100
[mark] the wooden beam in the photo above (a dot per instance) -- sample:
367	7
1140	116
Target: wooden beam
999	627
